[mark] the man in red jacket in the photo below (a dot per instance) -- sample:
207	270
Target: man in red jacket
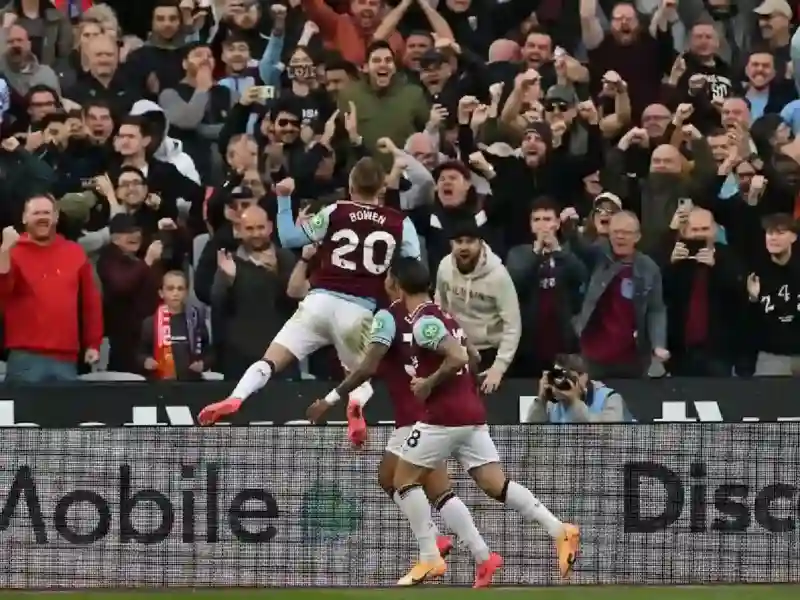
47	294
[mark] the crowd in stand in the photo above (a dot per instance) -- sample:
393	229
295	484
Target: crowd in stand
616	179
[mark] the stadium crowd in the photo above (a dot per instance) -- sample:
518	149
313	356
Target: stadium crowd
618	180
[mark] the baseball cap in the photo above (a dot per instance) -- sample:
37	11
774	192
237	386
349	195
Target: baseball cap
607	197
431	58
123	223
771	7
562	93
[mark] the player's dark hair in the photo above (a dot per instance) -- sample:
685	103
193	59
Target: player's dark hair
410	274
367	177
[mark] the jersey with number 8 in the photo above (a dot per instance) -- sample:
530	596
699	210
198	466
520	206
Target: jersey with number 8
358	245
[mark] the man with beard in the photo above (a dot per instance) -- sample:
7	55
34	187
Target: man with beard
641	57
21	68
767	90
623	322
159	63
473	285
773	289
352	33
249	293
43	274
656	197
386	104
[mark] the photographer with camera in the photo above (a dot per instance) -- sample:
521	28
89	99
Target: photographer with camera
567	395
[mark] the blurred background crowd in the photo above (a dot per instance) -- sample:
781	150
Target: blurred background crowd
618	180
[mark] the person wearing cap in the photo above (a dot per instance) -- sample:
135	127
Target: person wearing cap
773	289
473	285
130	285
774	23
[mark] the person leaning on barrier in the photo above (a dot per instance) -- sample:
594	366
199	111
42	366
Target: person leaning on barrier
567	395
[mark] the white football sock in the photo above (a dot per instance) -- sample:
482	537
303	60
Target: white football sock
362	394
435	528
415	507
520	499
255	378
457	517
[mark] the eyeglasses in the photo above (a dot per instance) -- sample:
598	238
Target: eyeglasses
556	105
287	123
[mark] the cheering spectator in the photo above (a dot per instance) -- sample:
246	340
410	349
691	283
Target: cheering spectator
196	107
129	289
774	292
104	80
623	321
19	64
249	293
350	32
175	341
703	293
473	285
51	304
49	29
387	105
549	280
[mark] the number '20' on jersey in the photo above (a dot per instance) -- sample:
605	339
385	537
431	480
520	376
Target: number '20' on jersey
358	245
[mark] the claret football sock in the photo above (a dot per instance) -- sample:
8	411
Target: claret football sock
255	377
520	499
414	504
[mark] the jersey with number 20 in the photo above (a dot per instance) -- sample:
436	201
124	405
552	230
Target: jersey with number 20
456	401
356	244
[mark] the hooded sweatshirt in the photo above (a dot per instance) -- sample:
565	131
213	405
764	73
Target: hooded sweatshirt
485	303
170	150
50	300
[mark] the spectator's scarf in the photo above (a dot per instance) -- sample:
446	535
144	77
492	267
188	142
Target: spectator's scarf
162	340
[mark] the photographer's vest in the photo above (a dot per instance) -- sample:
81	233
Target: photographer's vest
599	395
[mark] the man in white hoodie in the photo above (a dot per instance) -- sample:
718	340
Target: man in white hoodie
473	285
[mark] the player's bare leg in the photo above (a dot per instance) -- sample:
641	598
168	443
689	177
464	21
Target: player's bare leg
411	499
275	359
493	481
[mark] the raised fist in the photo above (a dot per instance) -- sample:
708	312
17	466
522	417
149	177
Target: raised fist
285	187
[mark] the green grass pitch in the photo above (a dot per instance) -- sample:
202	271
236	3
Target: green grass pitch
710	592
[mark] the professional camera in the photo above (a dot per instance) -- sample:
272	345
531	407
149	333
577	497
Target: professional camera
560	378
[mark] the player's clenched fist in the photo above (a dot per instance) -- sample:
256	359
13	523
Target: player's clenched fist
285	187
